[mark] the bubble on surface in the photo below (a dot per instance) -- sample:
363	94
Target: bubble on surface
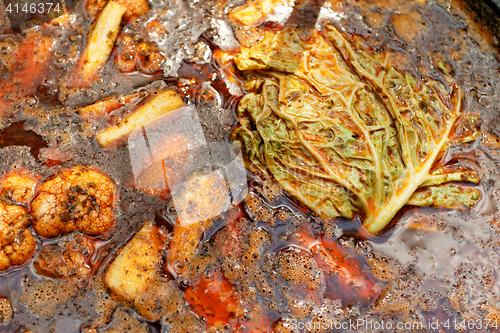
6	311
45	297
297	266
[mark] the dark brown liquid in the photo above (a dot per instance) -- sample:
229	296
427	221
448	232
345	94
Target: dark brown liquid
16	135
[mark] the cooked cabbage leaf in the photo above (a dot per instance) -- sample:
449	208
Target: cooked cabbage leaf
344	131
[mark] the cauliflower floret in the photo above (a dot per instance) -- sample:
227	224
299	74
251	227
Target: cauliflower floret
17	243
135	8
18	187
75	199
70	258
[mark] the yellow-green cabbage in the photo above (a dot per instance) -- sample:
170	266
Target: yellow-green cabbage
344	131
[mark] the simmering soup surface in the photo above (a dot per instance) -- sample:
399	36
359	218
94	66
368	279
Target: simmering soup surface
250	166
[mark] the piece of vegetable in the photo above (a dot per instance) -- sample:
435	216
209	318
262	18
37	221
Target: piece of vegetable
251	14
344	131
108	105
185	241
247	15
155	109
203	198
101	41
131	56
17	243
76	199
135	8
138	263
6	311
18	187
451	196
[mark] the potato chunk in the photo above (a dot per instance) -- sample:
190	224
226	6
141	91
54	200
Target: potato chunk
6	312
247	15
137	264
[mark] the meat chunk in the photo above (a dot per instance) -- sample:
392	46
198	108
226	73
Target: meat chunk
68	259
17	243
76	199
137	264
130	56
